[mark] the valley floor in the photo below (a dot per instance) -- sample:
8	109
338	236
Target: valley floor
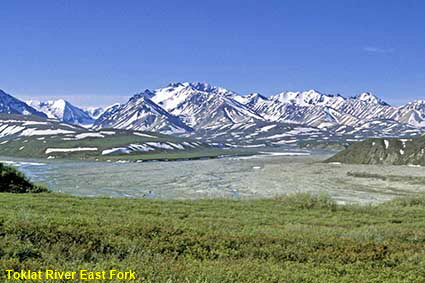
264	175
298	238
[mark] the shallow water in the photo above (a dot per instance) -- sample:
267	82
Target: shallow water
239	177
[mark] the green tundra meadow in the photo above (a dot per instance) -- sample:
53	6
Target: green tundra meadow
295	238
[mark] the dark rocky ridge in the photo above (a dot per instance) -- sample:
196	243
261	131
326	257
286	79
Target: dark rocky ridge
386	151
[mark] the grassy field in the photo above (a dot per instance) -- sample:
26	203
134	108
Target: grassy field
299	238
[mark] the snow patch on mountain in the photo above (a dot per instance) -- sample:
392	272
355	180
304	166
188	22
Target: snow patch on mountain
51	150
63	111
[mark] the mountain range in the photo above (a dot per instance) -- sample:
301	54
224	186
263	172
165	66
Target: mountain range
217	114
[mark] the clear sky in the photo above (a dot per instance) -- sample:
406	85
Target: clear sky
95	52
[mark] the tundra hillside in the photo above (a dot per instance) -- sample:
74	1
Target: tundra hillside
385	151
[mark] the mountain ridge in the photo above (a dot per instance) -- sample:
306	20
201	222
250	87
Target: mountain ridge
185	108
140	113
64	111
12	105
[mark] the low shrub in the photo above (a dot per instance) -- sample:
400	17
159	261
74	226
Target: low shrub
13	181
366	175
407	201
309	201
294	238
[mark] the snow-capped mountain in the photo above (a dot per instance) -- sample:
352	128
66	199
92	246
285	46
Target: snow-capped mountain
311	108
251	99
179	108
64	111
140	113
370	98
201	105
12	105
412	113
307	98
94	112
323	110
219	115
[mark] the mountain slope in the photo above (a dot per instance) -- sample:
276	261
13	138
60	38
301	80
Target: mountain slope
21	126
302	108
306	98
384	151
63	111
250	100
323	110
412	113
94	112
12	105
30	136
201	105
140	113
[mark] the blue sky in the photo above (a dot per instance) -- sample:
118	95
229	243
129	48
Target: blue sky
98	52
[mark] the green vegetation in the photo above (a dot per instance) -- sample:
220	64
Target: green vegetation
299	238
384	151
42	134
13	181
36	146
31	147
331	145
415	180
179	155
